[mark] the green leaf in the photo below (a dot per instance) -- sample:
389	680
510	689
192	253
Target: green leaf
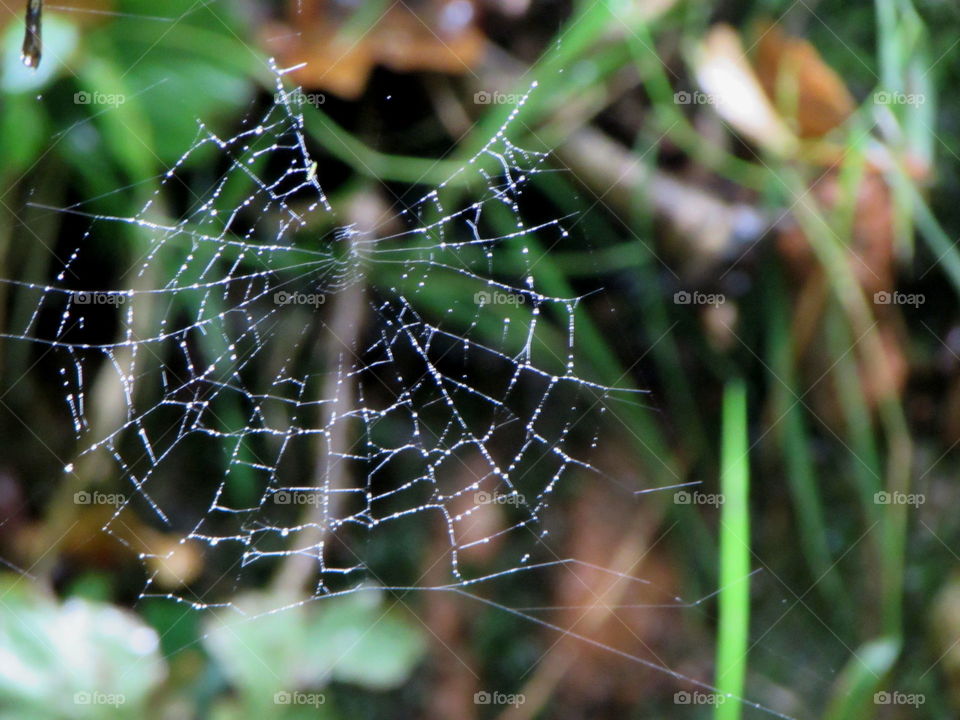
853	694
77	659
23	133
356	639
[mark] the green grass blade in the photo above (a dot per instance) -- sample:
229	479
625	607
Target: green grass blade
854	694
796	444
734	597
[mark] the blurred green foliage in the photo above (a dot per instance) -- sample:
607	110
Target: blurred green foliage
201	64
75	659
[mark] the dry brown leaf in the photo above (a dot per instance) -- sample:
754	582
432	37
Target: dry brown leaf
615	596
733	88
871	247
787	100
804	89
87	544
784	93
631	615
871	257
437	36
452	665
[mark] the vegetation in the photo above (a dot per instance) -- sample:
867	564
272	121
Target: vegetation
762	232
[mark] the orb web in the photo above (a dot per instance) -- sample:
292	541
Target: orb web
285	384
222	345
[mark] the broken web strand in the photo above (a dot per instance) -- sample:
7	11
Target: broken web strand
228	272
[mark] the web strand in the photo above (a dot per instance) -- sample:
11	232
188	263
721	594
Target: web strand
448	405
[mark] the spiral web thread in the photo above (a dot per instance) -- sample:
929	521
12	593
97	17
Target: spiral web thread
219	316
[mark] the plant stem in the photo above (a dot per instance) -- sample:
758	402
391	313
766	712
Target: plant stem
734	597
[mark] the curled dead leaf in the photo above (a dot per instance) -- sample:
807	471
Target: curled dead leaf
437	36
733	88
806	91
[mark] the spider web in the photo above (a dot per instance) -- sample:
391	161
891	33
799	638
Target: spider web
249	425
204	330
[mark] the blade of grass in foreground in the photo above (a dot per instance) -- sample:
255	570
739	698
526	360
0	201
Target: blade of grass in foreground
734	598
